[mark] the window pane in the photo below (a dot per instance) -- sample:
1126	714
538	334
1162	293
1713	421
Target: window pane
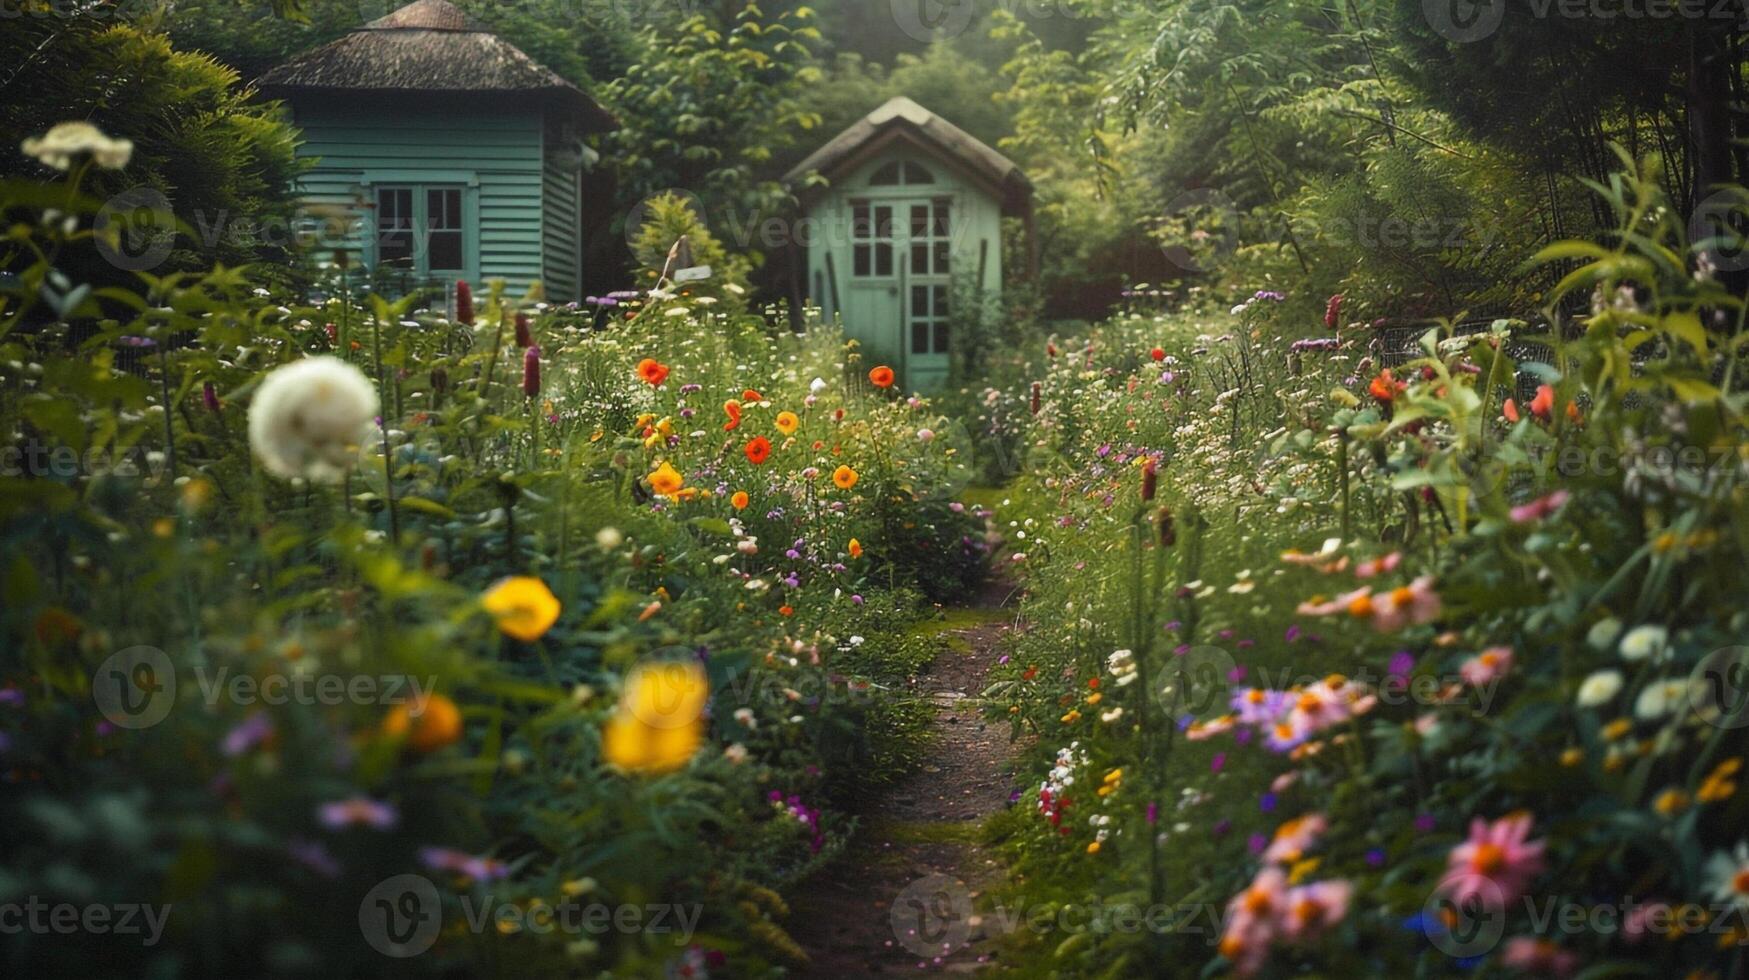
394	224
446	250
883	259
443	209
941	301
860	226
920	259
941	253
884	227
943	216
919	338
941	338
919	302
861	262
885	176
917	175
919	220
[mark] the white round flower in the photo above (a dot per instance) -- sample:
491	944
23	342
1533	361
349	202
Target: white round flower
1661	698
1643	642
309	418
1599	688
817	385
609	538
1603	634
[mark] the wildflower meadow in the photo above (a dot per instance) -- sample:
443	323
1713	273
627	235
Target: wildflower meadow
1080	490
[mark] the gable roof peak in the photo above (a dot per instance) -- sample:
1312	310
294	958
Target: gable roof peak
427	15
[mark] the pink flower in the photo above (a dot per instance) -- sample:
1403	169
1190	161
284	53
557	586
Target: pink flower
1496	864
479	869
1646	920
1313	908
359	810
1284	735
1257	706
1253	918
1415	603
1487	667
1200	731
1540	508
1539	957
1294	838
1374	567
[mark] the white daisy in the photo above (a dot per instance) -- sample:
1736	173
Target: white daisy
1660	698
1728	875
1643	642
1599	688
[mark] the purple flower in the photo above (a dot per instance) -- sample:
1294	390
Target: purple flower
1153	813
1267	802
1402	662
1222	827
1375	857
314	856
480	869
1425	823
356	811
1218	763
252	732
11	696
1292	634
1256	843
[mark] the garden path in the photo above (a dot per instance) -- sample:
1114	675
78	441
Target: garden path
919	848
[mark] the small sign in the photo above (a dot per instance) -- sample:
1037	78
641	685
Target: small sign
693	274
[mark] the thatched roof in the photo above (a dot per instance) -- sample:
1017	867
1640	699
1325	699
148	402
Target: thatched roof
429	46
901	120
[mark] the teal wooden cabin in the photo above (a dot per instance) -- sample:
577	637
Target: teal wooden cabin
903	211
453	154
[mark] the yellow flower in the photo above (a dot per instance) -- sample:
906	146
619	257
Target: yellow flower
1718	785
1572	757
1616	729
1671	802
666	480
787	422
1302	870
1093	848
855	548
523	606
740	500
1072	717
660	720
844	477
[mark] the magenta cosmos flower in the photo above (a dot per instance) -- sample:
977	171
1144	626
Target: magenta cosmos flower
1496	864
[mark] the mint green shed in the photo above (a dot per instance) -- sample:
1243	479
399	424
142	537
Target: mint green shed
902	217
452	154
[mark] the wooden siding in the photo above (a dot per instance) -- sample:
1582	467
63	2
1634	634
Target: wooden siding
561	216
496	155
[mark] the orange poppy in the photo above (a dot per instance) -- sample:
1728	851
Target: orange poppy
844	477
855	548
751	396
788	423
732	409
740	500
653	372
881	377
758	450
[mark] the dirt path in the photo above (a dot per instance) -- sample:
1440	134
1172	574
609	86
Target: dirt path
902	896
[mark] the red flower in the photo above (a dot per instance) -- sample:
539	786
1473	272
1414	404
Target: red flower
1333	311
464	302
751	396
652	371
531	372
758	450
1158	354
1543	405
1036	389
732	409
881	377
1148	480
523	337
1385	388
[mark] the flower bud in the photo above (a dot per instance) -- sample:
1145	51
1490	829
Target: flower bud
1149	481
531	372
523	337
1168	534
464	302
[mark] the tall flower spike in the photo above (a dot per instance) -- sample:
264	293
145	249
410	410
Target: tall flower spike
464	302
531	372
523	337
